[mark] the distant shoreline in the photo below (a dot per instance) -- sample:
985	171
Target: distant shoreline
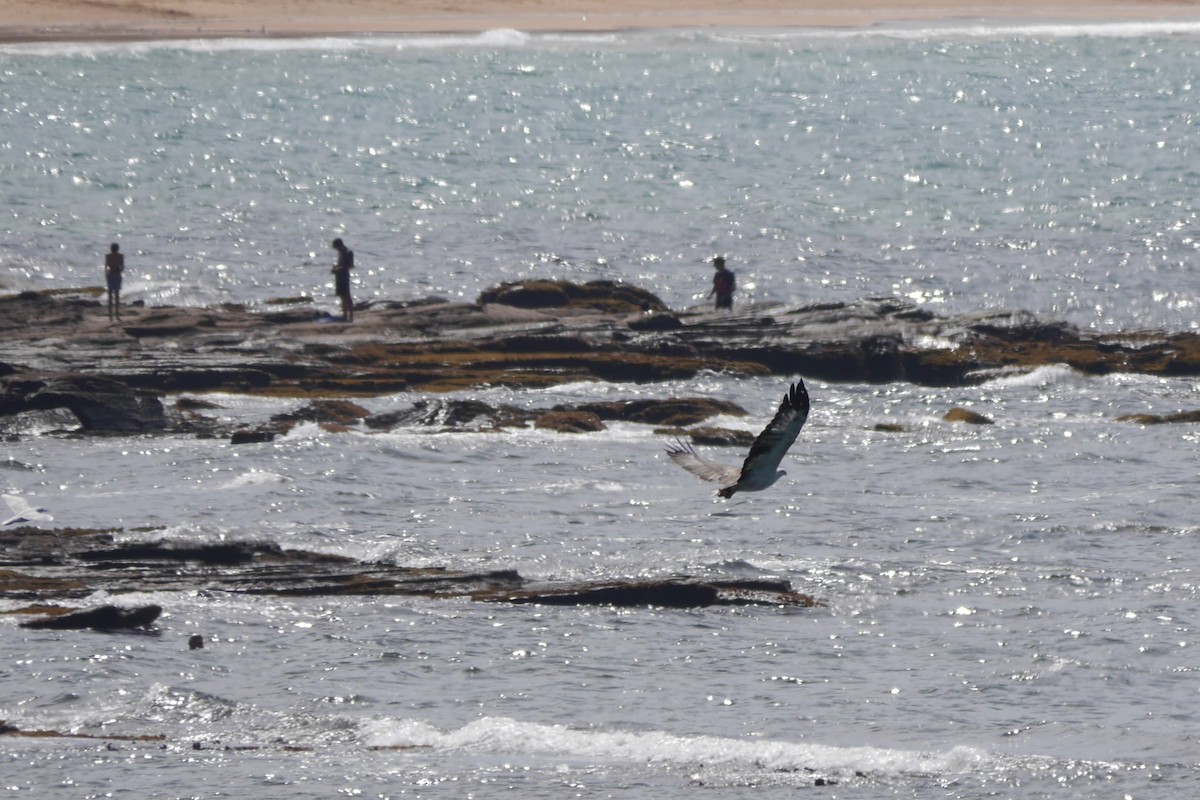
142	20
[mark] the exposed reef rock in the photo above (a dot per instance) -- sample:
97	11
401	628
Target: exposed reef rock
103	618
99	404
672	411
39	566
570	422
62	354
685	593
1161	419
719	437
606	296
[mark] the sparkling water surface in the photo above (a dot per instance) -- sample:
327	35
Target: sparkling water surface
1007	610
1018	169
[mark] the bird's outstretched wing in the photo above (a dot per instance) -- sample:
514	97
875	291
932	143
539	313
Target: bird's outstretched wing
759	469
23	511
771	445
685	456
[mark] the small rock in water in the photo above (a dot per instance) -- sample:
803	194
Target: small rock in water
963	415
252	436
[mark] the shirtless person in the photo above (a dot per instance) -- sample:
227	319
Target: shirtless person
114	266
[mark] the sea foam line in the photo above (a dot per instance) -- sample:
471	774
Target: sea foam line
514	38
513	737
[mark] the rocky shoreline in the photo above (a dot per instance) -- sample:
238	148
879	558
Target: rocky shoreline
66	366
68	370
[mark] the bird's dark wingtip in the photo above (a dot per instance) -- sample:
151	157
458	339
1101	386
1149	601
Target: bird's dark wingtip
798	394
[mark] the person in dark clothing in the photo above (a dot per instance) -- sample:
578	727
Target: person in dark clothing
341	278
723	285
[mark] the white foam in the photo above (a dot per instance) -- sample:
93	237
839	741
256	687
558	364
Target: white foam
513	737
1049	375
984	29
253	478
513	38
268	44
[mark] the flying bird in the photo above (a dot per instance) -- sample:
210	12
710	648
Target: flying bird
759	470
22	511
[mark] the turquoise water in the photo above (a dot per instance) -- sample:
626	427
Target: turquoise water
1009	610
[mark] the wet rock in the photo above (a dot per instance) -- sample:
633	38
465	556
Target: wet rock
170	322
1012	326
570	333
965	415
11	730
195	404
37	423
225	554
186	379
387	420
1163	419
570	422
539	343
606	296
252	436
340	412
684	593
467	414
721	437
677	411
294	316
662	321
882	360
99	404
103	618
450	415
48	308
66	563
288	301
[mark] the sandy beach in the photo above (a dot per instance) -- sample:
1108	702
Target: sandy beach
69	20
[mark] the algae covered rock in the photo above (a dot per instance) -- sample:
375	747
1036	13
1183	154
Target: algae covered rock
570	422
607	296
965	415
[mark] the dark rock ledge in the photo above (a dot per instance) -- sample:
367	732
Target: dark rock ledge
66	366
44	566
49	567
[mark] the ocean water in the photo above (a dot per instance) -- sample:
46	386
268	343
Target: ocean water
1052	169
1008	610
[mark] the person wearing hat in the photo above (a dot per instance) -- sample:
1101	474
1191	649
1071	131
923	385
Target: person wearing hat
723	285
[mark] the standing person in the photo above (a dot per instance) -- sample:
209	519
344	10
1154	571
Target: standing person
723	284
114	266
341	278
